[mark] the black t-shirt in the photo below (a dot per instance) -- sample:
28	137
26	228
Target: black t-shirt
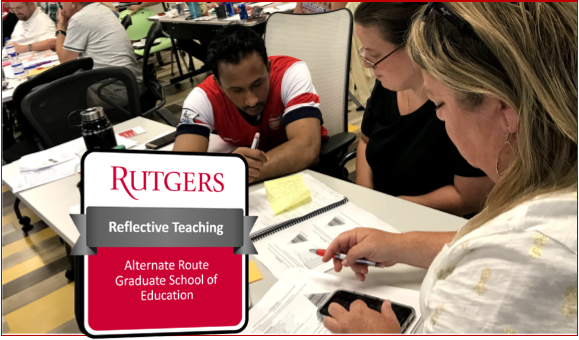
409	155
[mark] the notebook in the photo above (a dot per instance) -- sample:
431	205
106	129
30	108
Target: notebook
322	199
284	241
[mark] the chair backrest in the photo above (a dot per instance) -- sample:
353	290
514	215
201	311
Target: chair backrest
150	79
140	24
327	55
47	107
48	76
149	73
126	21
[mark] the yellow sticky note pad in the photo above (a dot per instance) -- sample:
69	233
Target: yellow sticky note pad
287	193
254	274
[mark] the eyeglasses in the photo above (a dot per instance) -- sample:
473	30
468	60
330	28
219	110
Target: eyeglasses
451	16
373	65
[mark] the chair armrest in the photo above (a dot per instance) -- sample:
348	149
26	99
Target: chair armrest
168	117
348	157
337	144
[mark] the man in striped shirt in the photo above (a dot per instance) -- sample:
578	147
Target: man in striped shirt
251	93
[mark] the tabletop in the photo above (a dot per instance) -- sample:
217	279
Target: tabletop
52	201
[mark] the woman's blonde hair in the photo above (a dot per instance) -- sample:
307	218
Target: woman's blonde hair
527	57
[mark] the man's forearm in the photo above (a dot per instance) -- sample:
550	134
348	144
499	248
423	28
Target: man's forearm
292	156
58	46
48	44
419	249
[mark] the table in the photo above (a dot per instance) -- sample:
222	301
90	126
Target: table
121	6
41	200
204	31
27	60
181	29
7	94
52	201
402	215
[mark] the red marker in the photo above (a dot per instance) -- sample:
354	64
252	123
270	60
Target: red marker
341	257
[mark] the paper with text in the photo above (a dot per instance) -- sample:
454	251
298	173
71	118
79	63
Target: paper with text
321	196
289	248
35	169
290	306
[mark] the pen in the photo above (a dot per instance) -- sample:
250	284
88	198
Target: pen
255	141
341	257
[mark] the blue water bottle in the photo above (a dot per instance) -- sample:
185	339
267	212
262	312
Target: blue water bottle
242	11
194	10
229	8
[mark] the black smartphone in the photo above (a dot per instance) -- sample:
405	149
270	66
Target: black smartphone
161	142
404	314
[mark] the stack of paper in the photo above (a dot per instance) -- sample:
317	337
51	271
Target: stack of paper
290	248
287	193
55	163
281	8
41	160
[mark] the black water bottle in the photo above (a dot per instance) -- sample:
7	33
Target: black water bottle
97	130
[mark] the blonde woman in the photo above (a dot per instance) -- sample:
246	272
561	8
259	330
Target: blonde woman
503	77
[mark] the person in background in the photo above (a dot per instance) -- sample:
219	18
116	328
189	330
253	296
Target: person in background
51	9
491	68
250	93
135	8
318	7
9	21
404	149
89	29
192	47
111	6
34	30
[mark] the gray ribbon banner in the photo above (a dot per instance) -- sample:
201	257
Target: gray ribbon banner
162	227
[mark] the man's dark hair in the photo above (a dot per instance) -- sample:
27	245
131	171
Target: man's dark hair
232	44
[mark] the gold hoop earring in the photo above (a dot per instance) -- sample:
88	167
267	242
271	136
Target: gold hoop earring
499	156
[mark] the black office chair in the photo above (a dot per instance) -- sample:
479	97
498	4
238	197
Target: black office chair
155	91
28	142
126	21
344	173
47	107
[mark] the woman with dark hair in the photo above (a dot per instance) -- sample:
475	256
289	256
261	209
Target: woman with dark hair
404	149
492	70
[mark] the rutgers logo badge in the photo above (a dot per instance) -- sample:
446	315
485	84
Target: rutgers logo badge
275	122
